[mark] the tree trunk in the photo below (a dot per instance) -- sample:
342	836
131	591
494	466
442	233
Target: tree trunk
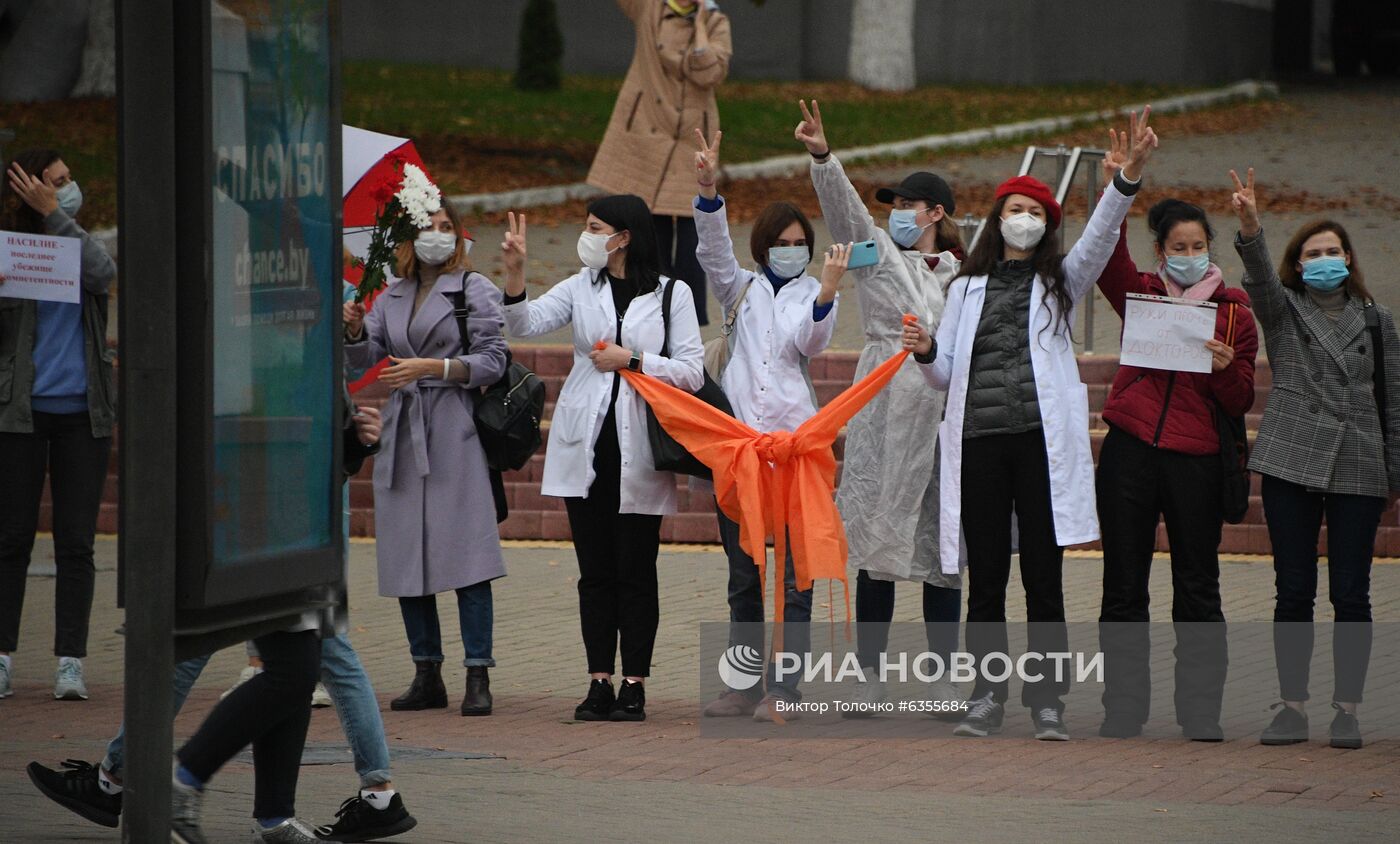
99	75
882	44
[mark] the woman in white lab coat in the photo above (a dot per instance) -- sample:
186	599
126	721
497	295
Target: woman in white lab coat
599	459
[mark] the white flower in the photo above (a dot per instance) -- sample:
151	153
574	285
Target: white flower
419	197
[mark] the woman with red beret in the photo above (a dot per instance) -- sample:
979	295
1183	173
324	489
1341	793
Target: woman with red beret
1015	437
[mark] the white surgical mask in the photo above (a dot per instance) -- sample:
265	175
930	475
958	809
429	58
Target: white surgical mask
434	247
1186	270
1022	231
788	261
593	249
70	198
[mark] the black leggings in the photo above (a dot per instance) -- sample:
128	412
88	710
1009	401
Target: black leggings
875	611
617	589
270	712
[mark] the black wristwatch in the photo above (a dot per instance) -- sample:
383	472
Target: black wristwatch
635	364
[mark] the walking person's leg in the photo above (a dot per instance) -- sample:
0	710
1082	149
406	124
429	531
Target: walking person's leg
477	617
1294	517
25	458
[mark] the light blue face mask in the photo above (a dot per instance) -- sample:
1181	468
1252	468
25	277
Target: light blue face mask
903	229
788	261
1186	270
70	198
1325	273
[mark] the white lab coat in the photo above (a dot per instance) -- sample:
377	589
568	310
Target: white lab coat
1064	400
583	401
765	379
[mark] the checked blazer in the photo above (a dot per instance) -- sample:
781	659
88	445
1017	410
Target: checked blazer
1321	427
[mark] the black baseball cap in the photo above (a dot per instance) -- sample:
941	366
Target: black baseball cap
926	186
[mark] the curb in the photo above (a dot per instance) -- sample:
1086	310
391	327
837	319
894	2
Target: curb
787	165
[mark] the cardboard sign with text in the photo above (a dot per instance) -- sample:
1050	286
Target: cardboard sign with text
41	267
1160	332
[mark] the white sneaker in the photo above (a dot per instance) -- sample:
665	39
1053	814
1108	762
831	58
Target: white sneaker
248	673
865	696
68	682
320	698
947	700
6	689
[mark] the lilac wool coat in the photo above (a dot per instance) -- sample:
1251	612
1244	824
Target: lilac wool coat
434	518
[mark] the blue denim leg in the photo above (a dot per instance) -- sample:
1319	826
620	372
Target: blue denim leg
186	673
420	622
357	708
476	613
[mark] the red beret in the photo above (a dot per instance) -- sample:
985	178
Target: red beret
1035	189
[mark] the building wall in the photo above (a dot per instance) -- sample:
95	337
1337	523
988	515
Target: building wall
991	41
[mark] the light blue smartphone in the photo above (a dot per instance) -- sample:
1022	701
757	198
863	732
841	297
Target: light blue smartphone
863	254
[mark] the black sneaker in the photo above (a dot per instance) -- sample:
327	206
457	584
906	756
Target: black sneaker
1203	729
1049	724
1116	726
357	820
1345	730
984	717
77	790
599	703
631	703
1288	727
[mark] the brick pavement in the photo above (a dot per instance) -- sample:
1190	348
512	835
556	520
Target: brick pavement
554	780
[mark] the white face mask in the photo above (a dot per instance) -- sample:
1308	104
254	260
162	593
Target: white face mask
593	249
788	261
70	198
1022	231
434	247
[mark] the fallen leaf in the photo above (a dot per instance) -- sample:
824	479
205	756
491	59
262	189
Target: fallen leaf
1163	811
1377	793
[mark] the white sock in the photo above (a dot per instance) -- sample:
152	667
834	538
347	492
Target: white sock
108	787
377	799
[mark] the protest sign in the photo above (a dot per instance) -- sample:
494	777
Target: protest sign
41	267
1165	333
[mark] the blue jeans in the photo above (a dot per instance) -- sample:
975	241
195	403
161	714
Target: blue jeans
746	608
474	613
349	687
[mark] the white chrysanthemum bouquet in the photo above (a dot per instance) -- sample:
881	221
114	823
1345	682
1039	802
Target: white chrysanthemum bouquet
406	204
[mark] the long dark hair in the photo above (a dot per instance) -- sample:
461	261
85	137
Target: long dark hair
1288	267
1046	260
15	213
627	212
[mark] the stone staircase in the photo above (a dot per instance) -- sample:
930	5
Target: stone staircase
533	516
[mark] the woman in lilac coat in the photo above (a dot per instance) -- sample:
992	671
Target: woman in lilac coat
435	518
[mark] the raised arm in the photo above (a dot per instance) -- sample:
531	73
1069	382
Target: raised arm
526	318
842	208
97	267
707	62
1086	260
1120	277
1260	277
715	249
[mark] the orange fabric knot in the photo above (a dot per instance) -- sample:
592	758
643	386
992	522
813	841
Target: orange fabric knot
776	447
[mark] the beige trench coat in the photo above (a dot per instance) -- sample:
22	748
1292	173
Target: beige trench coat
649	147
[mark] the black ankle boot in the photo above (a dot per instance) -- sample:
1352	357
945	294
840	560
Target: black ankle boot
426	691
478	697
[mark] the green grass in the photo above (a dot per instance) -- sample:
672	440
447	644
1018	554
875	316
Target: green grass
757	117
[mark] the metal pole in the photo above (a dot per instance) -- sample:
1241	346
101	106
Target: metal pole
146	136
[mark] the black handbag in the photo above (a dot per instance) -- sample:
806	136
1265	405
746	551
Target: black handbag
507	413
1234	450
667	454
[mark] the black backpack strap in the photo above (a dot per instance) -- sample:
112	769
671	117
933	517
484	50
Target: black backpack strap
1373	324
666	318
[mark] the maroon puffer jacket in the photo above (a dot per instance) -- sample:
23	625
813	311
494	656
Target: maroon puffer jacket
1173	410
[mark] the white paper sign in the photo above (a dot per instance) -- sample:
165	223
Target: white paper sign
41	267
1164	333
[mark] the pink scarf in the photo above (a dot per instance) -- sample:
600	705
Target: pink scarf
1200	291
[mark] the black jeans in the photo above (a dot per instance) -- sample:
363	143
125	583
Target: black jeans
746	609
76	463
675	242
1137	484
617	588
1295	518
270	712
875	611
1002	474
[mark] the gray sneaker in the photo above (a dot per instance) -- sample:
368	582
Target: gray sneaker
186	805
68	682
983	718
5	688
290	831
1049	724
